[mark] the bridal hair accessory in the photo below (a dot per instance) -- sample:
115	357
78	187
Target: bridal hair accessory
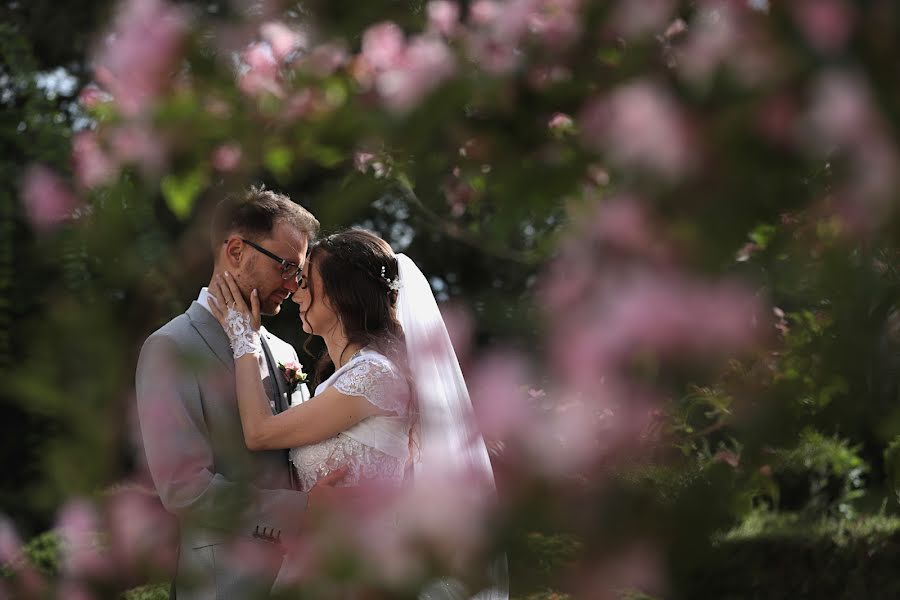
243	338
393	284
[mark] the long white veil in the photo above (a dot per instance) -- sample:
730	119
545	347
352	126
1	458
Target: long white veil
448	438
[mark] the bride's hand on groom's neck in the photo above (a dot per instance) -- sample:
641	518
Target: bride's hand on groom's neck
228	295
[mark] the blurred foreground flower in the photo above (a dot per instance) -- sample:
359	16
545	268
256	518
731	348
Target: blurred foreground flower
136	60
47	198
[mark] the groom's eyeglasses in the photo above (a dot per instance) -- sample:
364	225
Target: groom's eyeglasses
289	270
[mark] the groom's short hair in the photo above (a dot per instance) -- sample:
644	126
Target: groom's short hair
255	213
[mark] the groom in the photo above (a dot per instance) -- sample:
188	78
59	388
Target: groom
232	505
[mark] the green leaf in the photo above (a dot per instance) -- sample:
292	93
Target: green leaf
180	191
762	235
279	159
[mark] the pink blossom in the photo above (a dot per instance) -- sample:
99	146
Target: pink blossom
640	125
842	112
561	123
543	76
728	457
92	96
282	39
93	166
555	23
484	12
138	57
260	72
638	566
79	528
324	59
499	401
74	590
10	544
226	157
623	224
633	19
138	143
827	24
383	45
361	160
668	317
443	16
492	55
141	531
424	64
675	28
713	37
47	198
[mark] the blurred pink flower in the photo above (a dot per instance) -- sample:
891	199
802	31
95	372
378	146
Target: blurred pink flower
624	225
383	45
137	58
324	59
640	125
142	533
93	166
74	590
638	566
92	96
28	580
443	16
282	39
80	529
723	33
712	38
260	72
498	398
728	457
842	112
675	28
633	19
827	24
664	316
843	122
561	123
484	12
226	157
492	55
361	161
424	64
556	24
139	144
47	198
10	543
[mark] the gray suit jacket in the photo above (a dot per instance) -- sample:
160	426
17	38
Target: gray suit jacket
218	489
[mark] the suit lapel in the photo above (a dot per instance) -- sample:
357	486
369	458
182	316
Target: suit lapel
212	333
280	388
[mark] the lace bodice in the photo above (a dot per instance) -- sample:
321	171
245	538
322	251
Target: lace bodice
375	448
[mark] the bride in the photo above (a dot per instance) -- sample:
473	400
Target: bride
391	402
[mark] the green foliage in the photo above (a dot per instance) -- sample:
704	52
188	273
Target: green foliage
41	552
789	555
820	474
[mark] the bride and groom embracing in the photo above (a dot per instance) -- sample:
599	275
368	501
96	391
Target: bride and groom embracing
241	455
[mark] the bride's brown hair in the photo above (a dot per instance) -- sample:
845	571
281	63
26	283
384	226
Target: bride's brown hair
357	268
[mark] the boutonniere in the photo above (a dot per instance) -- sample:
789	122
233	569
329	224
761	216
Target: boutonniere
293	374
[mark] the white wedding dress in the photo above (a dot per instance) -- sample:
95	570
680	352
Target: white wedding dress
376	448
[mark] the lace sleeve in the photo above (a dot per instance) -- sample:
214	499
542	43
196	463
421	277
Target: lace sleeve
377	382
